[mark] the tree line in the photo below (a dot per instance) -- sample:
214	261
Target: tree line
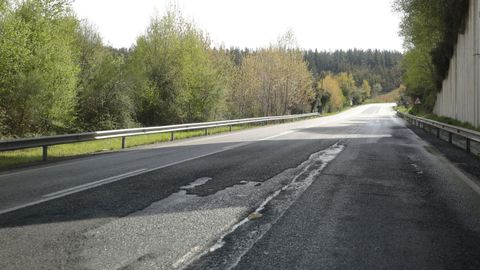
58	76
376	66
430	29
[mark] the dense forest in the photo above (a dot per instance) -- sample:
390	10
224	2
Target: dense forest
58	76
430	29
375	66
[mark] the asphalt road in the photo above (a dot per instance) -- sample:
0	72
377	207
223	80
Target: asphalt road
358	190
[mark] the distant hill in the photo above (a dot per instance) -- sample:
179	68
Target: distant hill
375	66
392	96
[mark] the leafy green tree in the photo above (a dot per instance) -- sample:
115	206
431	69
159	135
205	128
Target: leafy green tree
377	90
272	81
347	84
430	29
104	99
418	78
4	5
37	68
173	73
366	90
224	77
330	85
322	98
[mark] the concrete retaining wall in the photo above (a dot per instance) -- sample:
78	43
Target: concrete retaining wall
460	95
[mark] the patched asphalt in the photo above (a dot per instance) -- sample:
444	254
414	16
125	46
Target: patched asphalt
384	200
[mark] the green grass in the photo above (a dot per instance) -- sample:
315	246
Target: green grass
434	117
401	109
450	121
9	159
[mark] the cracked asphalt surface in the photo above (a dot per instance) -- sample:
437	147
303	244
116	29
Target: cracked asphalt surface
358	190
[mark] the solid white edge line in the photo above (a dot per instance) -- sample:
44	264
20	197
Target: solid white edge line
64	193
278	135
70	162
141	147
60	195
445	161
69	191
96	183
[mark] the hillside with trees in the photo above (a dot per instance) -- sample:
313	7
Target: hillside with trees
430	29
375	66
57	75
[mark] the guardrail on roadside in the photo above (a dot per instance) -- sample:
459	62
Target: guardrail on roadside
468	134
47	141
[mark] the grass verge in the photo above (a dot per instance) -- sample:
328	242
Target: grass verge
438	118
12	159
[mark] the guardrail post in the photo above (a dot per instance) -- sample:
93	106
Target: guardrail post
468	146
123	142
438	132
206	131
450	137
172	136
44	153
230	128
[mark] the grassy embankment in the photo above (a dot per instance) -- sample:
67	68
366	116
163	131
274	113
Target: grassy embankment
13	158
434	117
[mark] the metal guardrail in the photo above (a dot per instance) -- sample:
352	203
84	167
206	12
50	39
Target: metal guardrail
468	134
47	141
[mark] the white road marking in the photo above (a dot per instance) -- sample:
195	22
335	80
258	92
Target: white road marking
278	135
469	182
73	190
65	192
441	159
324	121
76	189
236	145
55	165
142	147
94	184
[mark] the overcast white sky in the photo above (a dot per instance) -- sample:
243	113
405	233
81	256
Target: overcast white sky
321	24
